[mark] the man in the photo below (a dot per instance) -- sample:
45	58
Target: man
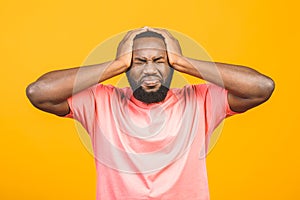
148	139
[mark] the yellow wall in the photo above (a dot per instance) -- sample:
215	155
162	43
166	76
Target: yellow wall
42	157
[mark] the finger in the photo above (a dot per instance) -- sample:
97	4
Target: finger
157	29
127	42
136	32
154	29
127	35
140	30
163	32
132	33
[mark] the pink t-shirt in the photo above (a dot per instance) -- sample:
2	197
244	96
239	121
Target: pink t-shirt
150	151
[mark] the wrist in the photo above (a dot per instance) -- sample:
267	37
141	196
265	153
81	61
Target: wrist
179	63
120	66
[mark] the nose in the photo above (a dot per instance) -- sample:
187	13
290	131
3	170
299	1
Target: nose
150	68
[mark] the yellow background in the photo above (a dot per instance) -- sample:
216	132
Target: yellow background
42	157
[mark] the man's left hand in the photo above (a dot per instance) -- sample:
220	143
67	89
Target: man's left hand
173	46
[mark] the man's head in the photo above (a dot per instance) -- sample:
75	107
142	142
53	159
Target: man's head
150	74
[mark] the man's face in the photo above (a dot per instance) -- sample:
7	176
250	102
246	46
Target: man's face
150	68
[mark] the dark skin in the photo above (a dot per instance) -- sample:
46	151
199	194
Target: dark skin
51	91
150	67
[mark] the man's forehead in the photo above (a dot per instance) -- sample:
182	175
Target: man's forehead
153	43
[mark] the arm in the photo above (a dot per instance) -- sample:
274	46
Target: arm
51	91
246	87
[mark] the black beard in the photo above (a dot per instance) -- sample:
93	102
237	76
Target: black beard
151	97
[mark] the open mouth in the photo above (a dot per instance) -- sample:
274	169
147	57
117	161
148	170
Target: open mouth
151	87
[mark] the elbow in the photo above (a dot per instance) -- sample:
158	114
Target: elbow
33	93
267	88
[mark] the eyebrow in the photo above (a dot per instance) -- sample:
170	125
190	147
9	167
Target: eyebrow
140	59
158	58
144	59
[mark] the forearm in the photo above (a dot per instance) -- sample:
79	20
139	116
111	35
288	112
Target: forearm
56	86
51	91
240	81
246	87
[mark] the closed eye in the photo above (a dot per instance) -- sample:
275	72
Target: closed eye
139	61
159	59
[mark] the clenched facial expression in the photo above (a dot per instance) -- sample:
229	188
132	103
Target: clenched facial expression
150	68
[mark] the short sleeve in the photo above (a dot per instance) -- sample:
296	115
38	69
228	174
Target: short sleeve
82	107
216	104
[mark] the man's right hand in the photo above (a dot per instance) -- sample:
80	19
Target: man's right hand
124	52
51	91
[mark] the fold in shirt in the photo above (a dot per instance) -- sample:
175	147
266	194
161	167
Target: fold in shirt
150	151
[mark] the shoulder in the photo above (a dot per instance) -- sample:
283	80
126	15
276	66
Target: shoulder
110	90
192	89
200	91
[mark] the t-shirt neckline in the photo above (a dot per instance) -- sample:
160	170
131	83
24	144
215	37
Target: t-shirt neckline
141	104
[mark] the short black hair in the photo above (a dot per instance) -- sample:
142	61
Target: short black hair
149	34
